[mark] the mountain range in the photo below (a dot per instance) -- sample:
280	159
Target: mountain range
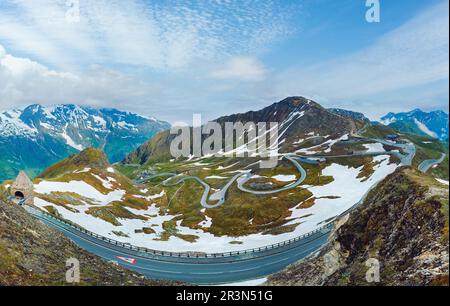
303	122
32	254
433	124
87	190
297	117
38	136
137	202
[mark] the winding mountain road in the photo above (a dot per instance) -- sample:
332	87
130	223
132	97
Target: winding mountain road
218	196
207	270
292	158
427	164
242	178
203	268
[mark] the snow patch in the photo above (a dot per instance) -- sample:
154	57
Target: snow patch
284	178
442	181
83	170
342	193
70	141
81	188
216	177
425	129
374	147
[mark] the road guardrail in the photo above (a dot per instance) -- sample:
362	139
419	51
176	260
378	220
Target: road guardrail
255	251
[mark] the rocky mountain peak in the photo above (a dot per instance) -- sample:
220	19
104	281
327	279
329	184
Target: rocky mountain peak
297	117
297	101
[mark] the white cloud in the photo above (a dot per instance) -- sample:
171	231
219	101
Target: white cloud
241	68
168	54
2	52
155	35
24	81
150	57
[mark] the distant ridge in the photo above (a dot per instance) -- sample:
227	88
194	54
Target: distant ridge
350	114
433	124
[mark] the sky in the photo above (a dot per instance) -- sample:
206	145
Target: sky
171	59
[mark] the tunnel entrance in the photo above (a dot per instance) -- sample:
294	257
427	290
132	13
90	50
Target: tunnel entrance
22	189
19	194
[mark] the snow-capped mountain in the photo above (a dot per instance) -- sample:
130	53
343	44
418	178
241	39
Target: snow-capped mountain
37	136
433	124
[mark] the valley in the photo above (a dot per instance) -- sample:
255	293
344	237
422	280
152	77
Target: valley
269	252
223	209
229	203
206	145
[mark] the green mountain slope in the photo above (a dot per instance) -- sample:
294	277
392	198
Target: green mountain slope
87	158
426	147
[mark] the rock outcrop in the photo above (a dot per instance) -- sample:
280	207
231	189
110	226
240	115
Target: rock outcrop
402	228
33	254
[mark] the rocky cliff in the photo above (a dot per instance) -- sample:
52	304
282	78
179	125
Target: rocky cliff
402	225
33	254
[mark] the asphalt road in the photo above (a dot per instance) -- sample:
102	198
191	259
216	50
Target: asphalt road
218	196
194	270
247	176
242	178
205	270
427	164
409	148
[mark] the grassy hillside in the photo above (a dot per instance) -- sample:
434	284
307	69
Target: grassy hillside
91	167
426	148
430	148
90	157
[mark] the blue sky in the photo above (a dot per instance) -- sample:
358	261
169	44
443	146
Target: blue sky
171	59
